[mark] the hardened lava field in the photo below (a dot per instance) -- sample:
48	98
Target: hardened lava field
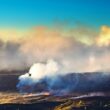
15	101
86	99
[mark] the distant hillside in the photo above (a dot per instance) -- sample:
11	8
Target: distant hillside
74	82
79	82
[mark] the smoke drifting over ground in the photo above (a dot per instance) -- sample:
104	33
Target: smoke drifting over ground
48	77
76	49
48	73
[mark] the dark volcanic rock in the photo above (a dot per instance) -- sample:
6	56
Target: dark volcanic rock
74	82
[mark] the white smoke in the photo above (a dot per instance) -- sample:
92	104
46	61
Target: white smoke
37	72
40	70
51	76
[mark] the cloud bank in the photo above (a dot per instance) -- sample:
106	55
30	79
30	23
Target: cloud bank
76	49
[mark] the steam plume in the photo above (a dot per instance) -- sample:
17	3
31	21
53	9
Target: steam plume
45	72
38	72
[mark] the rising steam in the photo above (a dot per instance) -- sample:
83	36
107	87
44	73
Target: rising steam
49	77
48	73
38	72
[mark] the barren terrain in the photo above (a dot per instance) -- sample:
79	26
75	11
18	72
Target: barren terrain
79	99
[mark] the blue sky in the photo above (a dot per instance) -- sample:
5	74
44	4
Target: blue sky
30	13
